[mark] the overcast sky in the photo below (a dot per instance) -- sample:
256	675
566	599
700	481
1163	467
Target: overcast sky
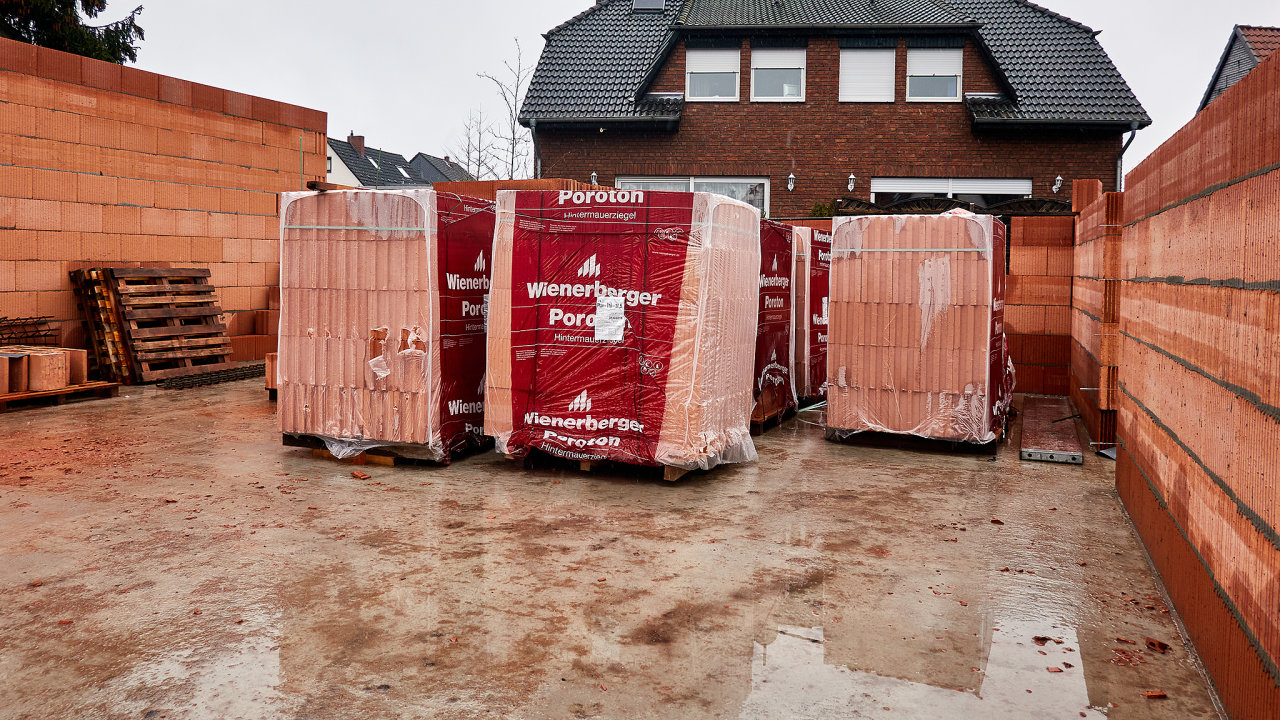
403	72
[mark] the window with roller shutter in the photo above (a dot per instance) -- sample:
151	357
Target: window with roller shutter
711	74
935	74
867	74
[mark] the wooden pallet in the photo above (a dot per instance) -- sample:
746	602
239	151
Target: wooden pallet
108	352
61	395
376	456
170	317
669	473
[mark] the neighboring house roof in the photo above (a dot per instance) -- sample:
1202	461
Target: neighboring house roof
597	67
1248	46
1057	68
384	169
434	169
808	13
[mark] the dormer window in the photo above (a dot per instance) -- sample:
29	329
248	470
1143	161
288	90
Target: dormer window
373	162
934	74
404	172
648	5
777	74
711	74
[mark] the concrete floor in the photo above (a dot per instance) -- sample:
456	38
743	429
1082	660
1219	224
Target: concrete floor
162	556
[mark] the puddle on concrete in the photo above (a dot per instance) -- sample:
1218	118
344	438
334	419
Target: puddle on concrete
790	679
236	678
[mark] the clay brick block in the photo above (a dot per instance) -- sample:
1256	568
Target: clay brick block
237	104
205	249
77	366
237	249
191	223
99	74
1028	379
273	296
1057	320
57	245
58	304
222	225
130	191
171	195
39	275
16	372
1084	193
37	215
17	120
265	251
1024	260
101	247
174	90
47	370
158	221
81	217
206	97
55	125
139	138
1038	290
235	298
19	245
16	181
19	57
121	219
97	189
53	185
1024	319
8	275
1057	381
139	82
58	65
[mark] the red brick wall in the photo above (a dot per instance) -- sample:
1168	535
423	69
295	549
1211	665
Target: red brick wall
1037	313
822	140
1095	308
1198	397
102	164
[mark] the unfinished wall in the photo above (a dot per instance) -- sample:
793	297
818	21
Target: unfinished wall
1095	308
103	164
1038	303
1199	388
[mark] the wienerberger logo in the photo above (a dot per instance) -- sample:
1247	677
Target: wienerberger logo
480	263
581	197
454	281
775	264
590	268
460	407
582	403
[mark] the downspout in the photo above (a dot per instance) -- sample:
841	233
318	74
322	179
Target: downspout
537	159
1133	133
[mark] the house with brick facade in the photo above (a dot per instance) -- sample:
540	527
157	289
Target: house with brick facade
795	104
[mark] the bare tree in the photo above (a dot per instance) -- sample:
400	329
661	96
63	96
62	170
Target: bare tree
513	140
475	150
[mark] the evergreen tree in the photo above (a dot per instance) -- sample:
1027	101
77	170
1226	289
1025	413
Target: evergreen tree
60	24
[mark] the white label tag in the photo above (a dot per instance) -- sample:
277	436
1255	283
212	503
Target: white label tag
484	310
611	318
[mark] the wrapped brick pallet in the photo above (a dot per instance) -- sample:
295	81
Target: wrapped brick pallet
382	320
775	386
622	325
917	327
813	270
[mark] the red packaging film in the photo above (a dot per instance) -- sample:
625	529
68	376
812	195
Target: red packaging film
382	320
917	343
813	270
622	325
775	387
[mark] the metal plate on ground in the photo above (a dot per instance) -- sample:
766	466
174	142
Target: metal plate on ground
1049	431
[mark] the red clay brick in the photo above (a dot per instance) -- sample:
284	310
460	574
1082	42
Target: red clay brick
57	245
99	74
101	247
158	221
57	65
17	56
17	119
8	275
95	189
131	191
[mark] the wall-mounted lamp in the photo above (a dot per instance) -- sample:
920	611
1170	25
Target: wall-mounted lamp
1057	184
594	178
791	181
853	180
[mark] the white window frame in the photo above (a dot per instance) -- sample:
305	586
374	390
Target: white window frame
952	186
709	53
933	56
690	180
779	59
847	56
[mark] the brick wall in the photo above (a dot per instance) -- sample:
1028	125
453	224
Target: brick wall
822	140
1095	308
1037	312
103	164
1198	409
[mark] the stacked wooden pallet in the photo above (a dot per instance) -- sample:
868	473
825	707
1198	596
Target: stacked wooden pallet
150	324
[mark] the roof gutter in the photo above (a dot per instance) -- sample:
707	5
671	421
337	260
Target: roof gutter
597	121
1133	133
1060	122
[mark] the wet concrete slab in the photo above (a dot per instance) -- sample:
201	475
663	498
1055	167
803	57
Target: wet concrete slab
162	555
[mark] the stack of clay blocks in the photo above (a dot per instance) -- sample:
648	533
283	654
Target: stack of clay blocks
1038	309
1095	308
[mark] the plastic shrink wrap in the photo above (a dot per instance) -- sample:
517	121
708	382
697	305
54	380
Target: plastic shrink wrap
775	387
917	327
622	325
812	311
382	320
